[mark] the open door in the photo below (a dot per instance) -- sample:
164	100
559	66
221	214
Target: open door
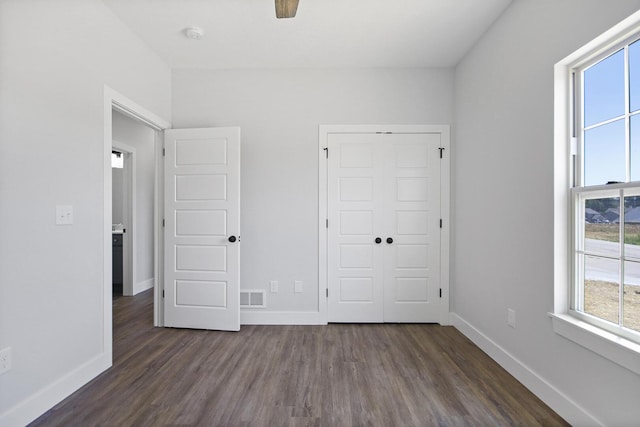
202	226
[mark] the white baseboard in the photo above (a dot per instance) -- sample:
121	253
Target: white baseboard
559	402
143	286
37	404
255	317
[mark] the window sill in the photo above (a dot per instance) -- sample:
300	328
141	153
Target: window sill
610	346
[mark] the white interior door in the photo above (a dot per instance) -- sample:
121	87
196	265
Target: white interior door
355	204
384	227
412	222
202	226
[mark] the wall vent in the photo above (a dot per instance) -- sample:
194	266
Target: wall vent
253	298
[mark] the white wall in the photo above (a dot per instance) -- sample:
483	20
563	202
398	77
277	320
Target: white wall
503	199
52	78
278	112
142	138
118	193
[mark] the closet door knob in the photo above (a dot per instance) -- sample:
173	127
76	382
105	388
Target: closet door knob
389	240
378	240
232	239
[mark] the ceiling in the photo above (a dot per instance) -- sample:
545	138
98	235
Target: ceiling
324	34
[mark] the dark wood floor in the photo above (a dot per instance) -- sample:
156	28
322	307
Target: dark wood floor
336	375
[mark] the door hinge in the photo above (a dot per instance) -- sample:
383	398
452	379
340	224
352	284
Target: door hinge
326	223
163	152
440	292
441	150
440	222
163	222
327	289
163	293
326	151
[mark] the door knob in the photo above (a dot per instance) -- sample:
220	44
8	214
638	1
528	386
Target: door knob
389	240
378	240
232	239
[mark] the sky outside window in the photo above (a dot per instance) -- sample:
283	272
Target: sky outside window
604	99
604	90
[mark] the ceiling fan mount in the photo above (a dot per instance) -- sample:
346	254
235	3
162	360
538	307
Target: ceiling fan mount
286	8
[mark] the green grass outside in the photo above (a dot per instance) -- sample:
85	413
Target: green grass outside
611	232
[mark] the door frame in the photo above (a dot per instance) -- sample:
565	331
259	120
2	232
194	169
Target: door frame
323	204
114	100
130	242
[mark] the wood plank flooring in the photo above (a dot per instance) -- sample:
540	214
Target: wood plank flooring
335	375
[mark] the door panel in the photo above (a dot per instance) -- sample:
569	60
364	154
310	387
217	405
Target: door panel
386	186
355	260
202	209
412	267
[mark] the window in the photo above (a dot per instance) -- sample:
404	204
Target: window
117	160
606	192
597	195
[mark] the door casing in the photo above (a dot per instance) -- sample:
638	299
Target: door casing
445	182
116	101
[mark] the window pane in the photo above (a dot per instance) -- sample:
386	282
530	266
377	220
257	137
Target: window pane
631	307
602	287
601	226
634	76
634	149
631	300
604	154
604	89
632	228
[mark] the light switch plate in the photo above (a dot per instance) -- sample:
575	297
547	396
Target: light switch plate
297	287
64	215
5	360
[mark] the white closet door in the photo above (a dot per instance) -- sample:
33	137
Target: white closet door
384	227
355	202
412	220
202	225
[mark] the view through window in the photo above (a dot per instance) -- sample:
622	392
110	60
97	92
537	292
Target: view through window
607	192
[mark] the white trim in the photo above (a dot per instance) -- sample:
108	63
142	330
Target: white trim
323	216
595	339
250	317
40	402
114	100
554	398
107	246
445	183
445	232
143	286
158	241
129	108
611	346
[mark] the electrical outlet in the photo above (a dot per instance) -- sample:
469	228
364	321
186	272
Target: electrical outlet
297	286
273	286
5	360
511	317
64	215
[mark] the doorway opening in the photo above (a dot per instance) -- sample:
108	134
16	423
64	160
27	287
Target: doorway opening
122	263
124	118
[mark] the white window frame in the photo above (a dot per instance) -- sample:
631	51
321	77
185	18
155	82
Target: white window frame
588	331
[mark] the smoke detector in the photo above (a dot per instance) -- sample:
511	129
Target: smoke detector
194	33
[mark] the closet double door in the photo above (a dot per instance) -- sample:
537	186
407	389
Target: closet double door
384	227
